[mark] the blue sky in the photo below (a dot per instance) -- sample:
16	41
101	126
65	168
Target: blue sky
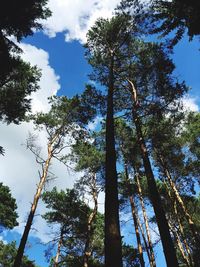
66	60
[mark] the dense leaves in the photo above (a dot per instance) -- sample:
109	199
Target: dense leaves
71	214
17	78
8	253
8	214
15	90
177	15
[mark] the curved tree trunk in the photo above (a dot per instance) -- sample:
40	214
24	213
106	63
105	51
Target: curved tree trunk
113	246
168	246
150	245
87	252
20	252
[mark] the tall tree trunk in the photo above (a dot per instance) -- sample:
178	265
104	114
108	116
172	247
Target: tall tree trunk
181	233
168	246
87	252
135	218
150	245
29	222
180	227
113	246
56	261
144	239
180	246
180	201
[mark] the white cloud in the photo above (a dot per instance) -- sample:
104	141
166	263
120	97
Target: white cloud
19	169
93	125
49	82
75	17
189	104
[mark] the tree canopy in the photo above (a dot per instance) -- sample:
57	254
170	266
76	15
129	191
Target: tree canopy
8	206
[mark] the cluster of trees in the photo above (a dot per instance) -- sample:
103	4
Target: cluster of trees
144	156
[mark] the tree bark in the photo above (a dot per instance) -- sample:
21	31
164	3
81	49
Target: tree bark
135	219
56	261
180	201
181	249
87	252
150	245
168	246
20	252
180	227
113	246
181	232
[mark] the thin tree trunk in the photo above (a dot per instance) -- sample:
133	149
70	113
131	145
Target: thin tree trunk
56	261
144	239
168	246
180	227
113	246
135	219
181	249
180	201
150	245
87	252
29	222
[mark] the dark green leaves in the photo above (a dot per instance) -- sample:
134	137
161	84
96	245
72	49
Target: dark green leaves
8	214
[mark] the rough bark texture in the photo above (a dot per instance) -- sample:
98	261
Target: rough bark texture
113	247
150	245
29	222
168	246
87	252
135	219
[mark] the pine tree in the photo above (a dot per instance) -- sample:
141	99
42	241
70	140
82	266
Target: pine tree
71	213
17	78
104	41
8	206
65	117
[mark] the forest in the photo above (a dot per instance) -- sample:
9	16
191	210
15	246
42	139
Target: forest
127	141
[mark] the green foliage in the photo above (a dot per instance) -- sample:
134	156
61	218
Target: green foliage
130	256
76	111
66	208
191	134
87	156
15	90
21	17
176	15
75	246
8	253
103	39
190	139
8	214
126	143
72	214
17	78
